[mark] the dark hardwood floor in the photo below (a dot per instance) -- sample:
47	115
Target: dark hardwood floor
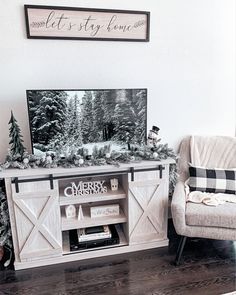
208	268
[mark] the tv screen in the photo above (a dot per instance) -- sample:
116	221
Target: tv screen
65	120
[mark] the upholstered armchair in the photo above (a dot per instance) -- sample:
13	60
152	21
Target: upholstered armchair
197	219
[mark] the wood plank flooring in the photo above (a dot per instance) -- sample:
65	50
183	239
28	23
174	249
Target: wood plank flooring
209	267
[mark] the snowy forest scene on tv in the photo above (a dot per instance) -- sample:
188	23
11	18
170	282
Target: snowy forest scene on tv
66	120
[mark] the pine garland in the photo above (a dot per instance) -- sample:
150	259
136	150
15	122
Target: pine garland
100	156
81	157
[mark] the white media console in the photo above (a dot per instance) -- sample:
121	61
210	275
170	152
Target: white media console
37	205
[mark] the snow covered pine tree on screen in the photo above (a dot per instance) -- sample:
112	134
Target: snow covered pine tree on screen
66	120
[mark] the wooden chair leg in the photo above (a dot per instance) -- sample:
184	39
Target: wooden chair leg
180	250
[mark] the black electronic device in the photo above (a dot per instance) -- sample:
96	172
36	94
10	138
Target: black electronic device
93	230
75	245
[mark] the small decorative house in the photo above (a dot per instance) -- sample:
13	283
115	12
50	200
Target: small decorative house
114	184
70	211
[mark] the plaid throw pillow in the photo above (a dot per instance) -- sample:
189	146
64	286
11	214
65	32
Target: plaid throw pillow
212	180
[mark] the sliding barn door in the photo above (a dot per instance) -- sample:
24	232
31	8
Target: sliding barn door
37	217
148	205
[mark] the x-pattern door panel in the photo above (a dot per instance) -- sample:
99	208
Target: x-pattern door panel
38	224
147	210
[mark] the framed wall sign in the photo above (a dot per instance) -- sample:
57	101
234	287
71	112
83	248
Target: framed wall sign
56	22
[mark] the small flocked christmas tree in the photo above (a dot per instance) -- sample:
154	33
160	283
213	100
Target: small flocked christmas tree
17	148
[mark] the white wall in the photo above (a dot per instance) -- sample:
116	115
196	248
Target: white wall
188	66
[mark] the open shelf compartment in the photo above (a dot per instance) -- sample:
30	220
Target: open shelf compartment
66	242
87	221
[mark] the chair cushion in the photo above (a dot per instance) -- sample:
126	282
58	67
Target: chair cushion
220	216
212	180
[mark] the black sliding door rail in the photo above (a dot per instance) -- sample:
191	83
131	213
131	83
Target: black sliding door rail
51	177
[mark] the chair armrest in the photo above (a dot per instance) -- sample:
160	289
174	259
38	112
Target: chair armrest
178	206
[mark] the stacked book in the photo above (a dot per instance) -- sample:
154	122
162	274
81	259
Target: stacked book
94	233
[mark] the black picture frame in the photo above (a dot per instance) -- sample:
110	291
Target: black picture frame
44	23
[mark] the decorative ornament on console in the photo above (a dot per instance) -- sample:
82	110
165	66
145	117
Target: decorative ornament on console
153	136
114	184
155	155
70	211
80	213
85	188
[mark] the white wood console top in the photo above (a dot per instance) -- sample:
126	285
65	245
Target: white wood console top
30	172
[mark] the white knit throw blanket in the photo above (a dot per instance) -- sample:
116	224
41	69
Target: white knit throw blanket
212	152
209	199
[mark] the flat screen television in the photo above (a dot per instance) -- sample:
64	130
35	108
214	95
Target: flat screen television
65	120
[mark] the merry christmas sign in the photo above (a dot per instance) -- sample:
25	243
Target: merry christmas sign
85	188
54	22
